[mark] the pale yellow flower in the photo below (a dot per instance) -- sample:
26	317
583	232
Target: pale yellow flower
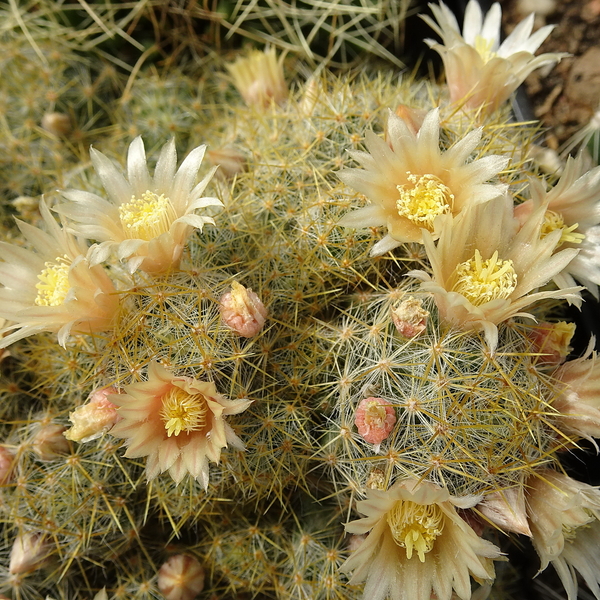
578	405
485	271
410	182
259	78
480	71
146	220
573	205
177	422
418	547
52	288
563	515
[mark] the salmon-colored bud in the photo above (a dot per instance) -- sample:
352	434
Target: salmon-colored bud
375	419
93	419
410	318
49	442
552	341
231	162
243	310
7	462
413	117
181	578
57	123
29	553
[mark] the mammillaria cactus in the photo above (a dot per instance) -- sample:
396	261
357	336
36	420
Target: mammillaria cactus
350	385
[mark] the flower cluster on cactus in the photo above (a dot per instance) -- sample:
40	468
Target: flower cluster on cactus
373	341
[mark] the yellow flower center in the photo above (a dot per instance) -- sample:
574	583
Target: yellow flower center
484	48
553	221
423	200
53	285
183	412
415	526
481	281
147	217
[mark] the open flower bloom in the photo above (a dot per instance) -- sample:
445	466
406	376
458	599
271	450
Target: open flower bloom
259	78
53	287
418	545
484	270
147	219
177	422
410	182
579	403
481	72
563	515
573	205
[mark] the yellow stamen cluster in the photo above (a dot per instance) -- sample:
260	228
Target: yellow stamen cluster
147	217
554	221
183	412
484	48
481	281
424	200
415	526
53	285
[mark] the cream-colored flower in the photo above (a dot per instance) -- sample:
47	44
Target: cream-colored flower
573	205
418	546
410	182
177	422
147	220
579	403
53	287
563	515
259	78
481	72
485	271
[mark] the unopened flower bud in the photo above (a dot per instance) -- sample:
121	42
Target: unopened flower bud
49	442
413	117
29	553
181	578
410	318
375	418
259	78
93	419
310	97
57	123
243	310
507	510
231	162
7	462
355	541
551	341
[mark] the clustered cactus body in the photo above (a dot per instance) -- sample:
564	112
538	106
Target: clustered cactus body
322	379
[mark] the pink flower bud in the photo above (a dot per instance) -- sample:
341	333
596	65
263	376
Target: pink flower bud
552	341
29	552
243	310
93	419
49	442
507	509
7	462
375	419
410	318
181	578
